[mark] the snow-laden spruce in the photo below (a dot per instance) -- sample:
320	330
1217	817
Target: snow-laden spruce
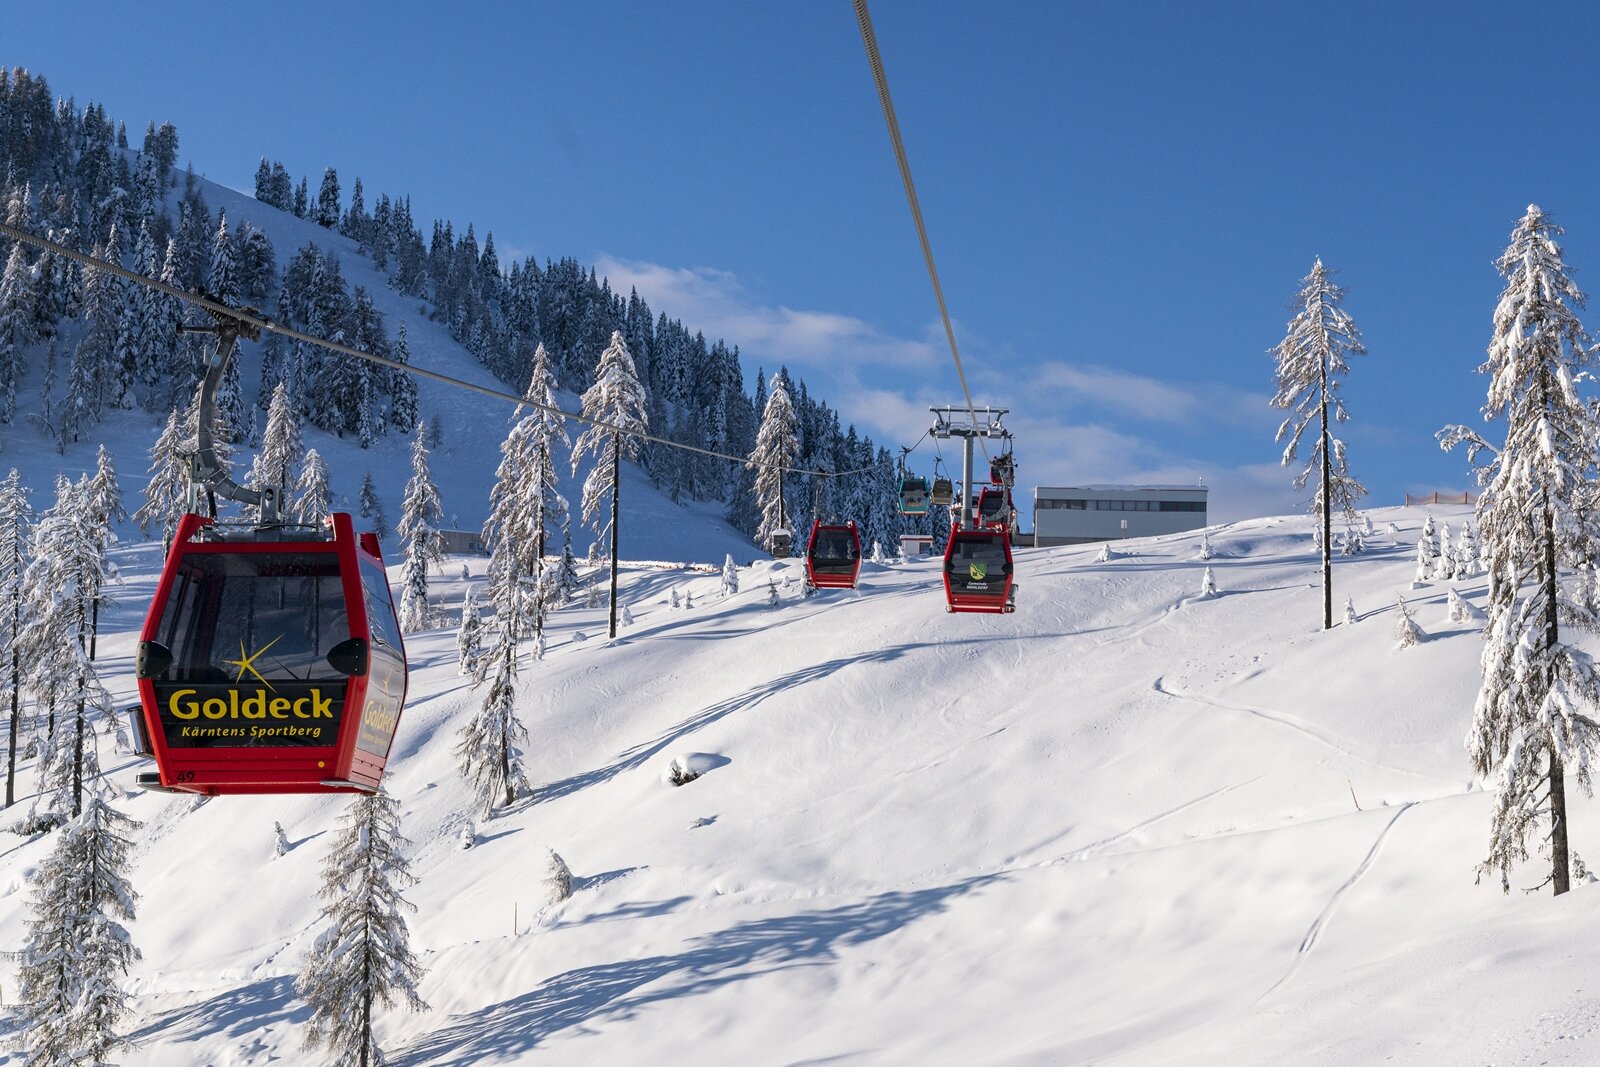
371	507
616	399
1534	718
1312	360
1406	630
730	576
283	451
166	494
1208	584
16	535
469	638
1349	611
618	403
525	505
362	959
313	498
421	517
76	952
777	448
64	588
1461	610
487	748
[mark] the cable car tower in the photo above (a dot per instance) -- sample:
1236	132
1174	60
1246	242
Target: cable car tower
977	557
969	424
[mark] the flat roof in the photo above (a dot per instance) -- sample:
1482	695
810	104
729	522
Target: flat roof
1119	489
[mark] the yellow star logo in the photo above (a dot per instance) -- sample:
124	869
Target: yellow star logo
247	662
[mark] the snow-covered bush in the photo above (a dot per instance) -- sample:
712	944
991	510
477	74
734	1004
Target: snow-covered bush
1406	630
558	883
1462	610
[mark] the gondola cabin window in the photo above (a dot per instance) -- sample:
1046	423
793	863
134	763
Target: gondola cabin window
255	617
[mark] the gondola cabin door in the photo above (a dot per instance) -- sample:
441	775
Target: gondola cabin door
270	666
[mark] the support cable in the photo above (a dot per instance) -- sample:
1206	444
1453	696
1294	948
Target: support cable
870	39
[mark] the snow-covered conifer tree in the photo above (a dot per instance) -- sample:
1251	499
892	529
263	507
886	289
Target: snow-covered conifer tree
469	639
1349	611
362	959
525	503
772	594
16	534
372	507
1424	565
280	840
63	587
167	492
1406	630
1534	715
1466	552
567	581
617	399
1312	361
421	519
283	451
105	495
1205	547
558	883
17	330
490	760
313	498
777	448
1444	564
68	978
730	576
1462	610
1105	554
1208	584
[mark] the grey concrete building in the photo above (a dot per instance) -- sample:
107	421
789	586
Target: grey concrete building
1076	515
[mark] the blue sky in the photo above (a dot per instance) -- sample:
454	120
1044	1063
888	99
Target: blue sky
1122	198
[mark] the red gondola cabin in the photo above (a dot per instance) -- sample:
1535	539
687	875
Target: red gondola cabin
270	662
993	509
833	556
977	571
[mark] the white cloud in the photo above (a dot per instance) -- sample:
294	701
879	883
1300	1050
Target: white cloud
716	304
1074	423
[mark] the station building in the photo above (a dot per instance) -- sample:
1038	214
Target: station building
1077	515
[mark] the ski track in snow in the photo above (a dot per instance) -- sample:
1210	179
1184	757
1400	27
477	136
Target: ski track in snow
1320	923
1087	850
1292	722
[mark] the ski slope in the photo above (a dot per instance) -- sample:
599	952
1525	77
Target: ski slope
1125	825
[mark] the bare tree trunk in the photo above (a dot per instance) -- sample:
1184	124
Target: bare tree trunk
1327	509
616	495
16	715
1560	859
505	737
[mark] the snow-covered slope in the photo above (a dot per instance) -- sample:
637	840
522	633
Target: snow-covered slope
652	527
1124	825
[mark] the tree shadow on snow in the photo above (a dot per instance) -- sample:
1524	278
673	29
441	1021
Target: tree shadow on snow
618	990
235	1013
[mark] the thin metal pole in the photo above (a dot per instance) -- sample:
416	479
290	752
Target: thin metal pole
616	495
966	483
